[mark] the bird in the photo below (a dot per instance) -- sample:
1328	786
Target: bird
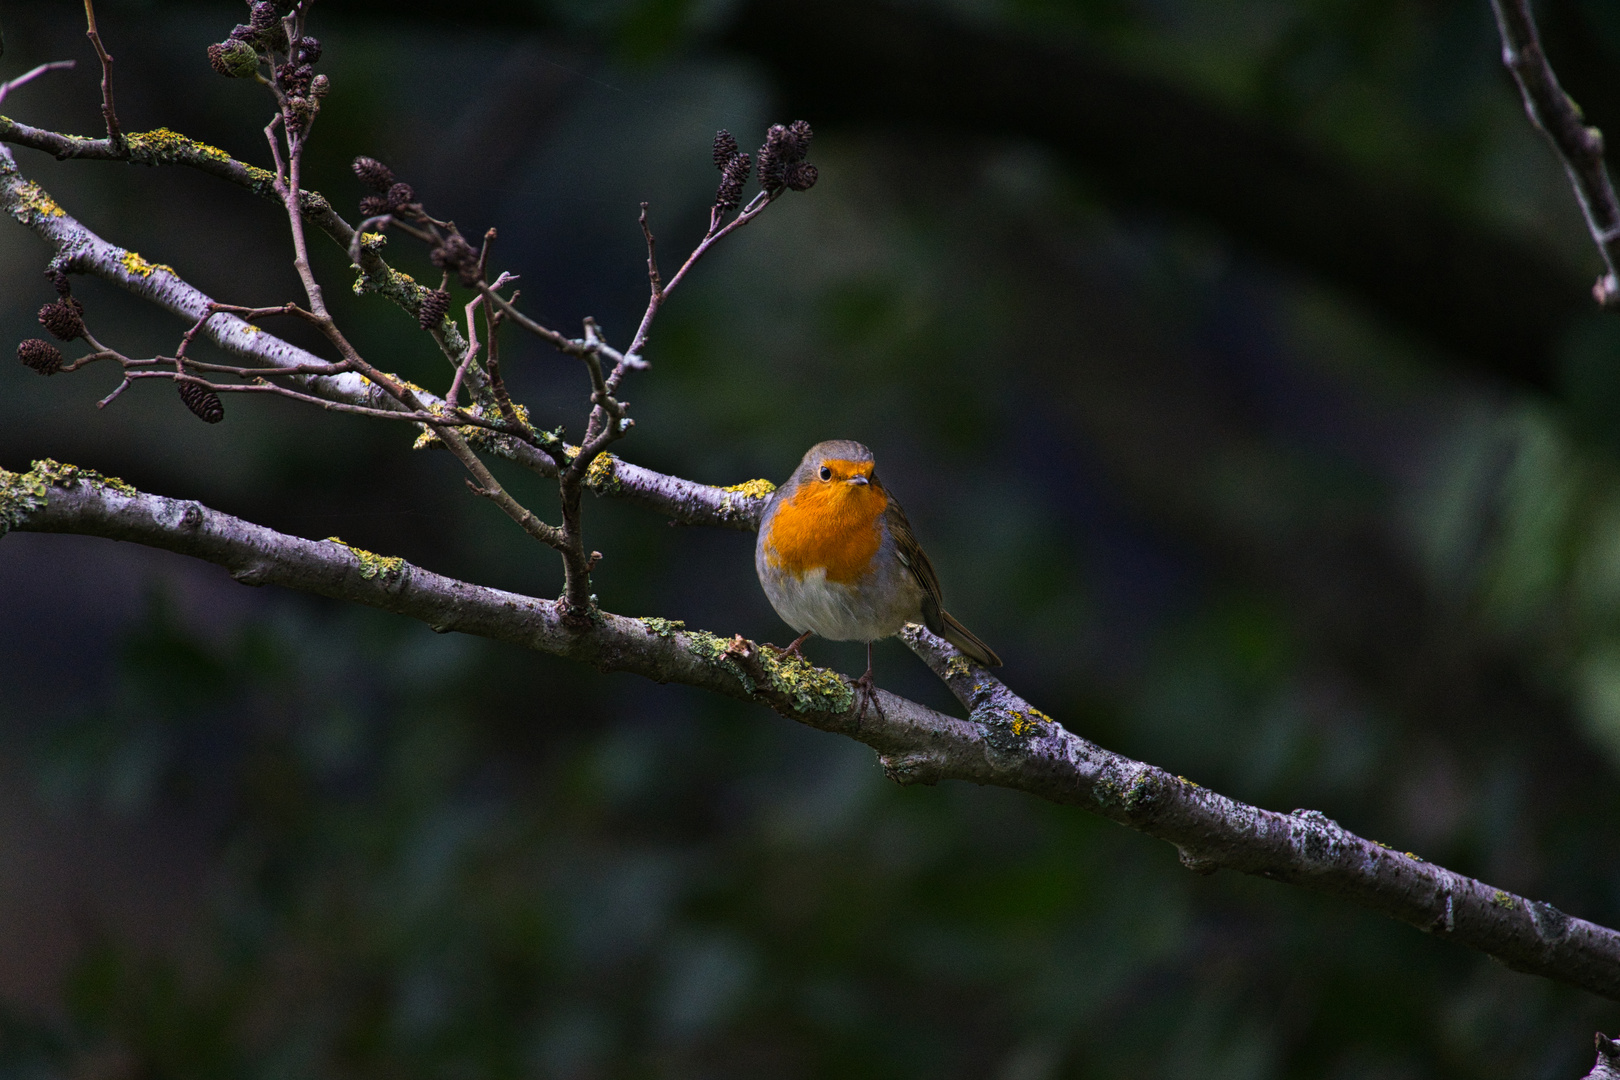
837	559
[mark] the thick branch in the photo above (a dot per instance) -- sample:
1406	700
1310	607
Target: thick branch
1579	147
1005	741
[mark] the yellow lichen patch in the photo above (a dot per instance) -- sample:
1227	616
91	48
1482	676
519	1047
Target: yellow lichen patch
33	198
1183	779
140	267
600	477
372	565
662	627
1504	900
752	489
957	667
373	241
165	143
1022	724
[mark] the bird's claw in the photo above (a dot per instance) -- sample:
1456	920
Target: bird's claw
866	686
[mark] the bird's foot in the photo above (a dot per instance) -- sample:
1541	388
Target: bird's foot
866	686
791	650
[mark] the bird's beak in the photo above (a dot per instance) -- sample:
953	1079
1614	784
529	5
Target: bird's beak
859	481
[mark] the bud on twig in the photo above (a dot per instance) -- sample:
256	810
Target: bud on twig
295	78
431	312
41	355
265	21
234	59
202	401
63	318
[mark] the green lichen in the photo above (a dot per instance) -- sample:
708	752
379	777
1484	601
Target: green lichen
261	181
373	242
1504	900
807	687
20	495
390	284
372	565
957	667
23	493
664	628
811	689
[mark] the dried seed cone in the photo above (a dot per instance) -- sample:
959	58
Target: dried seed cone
458	255
40	355
374	174
431	312
263	16
374	205
725	148
800	176
732	179
401	195
233	59
63	318
202	401
774	157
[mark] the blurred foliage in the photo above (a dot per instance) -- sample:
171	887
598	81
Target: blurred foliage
1214	515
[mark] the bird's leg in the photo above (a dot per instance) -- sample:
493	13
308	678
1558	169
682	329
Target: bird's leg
793	649
868	689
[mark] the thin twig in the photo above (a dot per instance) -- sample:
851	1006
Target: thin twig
108	113
450	398
632	357
1578	146
29	76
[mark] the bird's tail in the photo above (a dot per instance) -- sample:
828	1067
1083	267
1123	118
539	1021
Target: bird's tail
960	636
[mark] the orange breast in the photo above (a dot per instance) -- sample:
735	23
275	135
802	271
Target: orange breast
831	525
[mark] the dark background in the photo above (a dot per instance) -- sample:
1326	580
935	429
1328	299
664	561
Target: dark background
1234	361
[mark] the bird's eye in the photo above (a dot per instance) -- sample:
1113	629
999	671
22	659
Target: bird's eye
826	473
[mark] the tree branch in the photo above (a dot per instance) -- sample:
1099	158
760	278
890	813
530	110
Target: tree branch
1579	147
1005	741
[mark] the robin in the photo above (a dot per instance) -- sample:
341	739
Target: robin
837	558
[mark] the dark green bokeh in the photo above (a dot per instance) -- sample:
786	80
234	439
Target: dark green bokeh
1214	513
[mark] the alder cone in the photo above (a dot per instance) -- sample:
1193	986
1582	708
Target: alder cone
431	312
40	355
202	401
63	318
